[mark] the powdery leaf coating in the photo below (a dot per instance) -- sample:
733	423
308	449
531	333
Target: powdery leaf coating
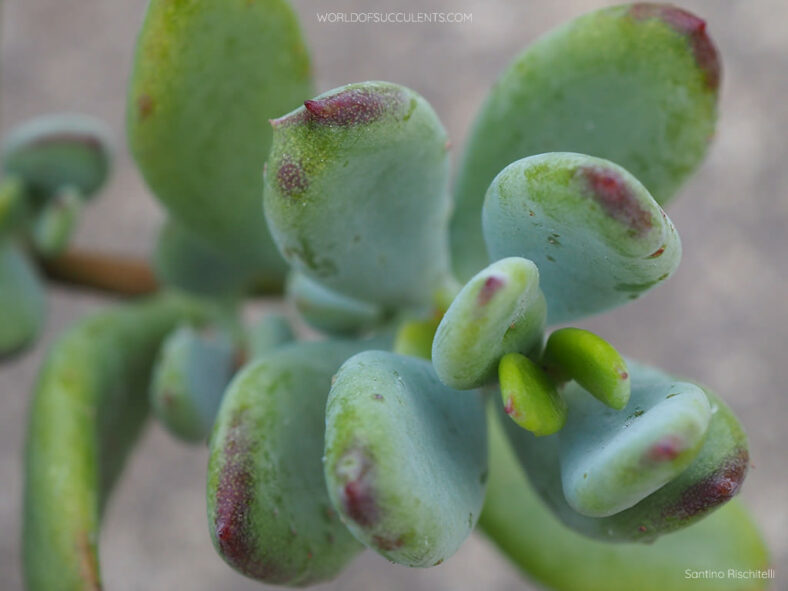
405	457
207	77
712	478
329	311
611	460
596	234
636	84
269	514
518	522
500	310
580	355
356	193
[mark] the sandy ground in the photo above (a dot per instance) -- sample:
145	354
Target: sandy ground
722	319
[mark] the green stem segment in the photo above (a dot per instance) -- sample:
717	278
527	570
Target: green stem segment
89	406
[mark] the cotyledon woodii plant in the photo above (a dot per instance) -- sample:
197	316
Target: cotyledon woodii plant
442	396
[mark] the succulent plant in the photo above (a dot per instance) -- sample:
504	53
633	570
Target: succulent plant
442	394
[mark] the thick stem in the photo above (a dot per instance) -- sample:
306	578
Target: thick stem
111	273
120	274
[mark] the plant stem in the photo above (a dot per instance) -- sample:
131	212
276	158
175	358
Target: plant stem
111	273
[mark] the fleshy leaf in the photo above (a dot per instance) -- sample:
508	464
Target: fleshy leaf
530	397
414	337
52	152
269	512
636	84
405	457
56	222
22	301
329	311
182	259
356	193
207	77
191	373
611	460
520	524
580	355
13	207
500	310
596	234
270	333
88	409
713	478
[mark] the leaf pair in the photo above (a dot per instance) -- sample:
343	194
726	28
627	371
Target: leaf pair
596	235
672	455
517	520
634	84
404	462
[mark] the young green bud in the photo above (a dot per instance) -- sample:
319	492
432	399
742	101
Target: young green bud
500	310
530	397
580	355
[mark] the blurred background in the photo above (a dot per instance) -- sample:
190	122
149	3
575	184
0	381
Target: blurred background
722	319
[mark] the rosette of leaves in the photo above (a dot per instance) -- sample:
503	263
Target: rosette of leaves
566	225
